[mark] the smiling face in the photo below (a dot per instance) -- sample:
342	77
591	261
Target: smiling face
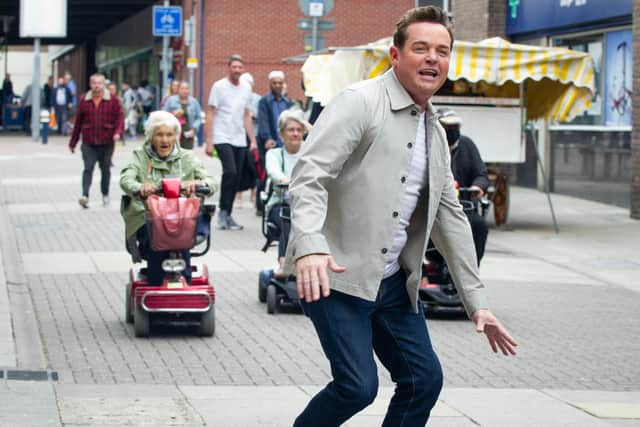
236	68
163	141
422	64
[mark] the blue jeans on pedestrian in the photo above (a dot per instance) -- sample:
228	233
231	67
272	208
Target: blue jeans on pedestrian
350	330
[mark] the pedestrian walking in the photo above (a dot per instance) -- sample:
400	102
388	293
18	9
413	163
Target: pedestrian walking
27	103
230	118
248	176
271	105
187	109
73	89
174	86
131	109
62	105
47	89
101	123
372	183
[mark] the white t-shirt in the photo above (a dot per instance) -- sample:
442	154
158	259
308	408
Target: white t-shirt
416	181
230	102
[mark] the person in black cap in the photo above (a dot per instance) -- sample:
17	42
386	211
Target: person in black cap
468	169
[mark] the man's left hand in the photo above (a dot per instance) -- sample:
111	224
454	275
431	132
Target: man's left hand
496	333
253	145
116	137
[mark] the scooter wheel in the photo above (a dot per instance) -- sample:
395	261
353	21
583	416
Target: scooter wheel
128	315
272	299
207	327
141	322
262	286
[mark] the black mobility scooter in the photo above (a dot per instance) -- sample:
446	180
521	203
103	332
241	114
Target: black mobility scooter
438	293
276	291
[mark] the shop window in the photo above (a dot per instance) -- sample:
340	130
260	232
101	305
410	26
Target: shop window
593	45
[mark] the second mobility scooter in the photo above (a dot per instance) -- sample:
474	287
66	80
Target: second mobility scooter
273	290
175	223
438	293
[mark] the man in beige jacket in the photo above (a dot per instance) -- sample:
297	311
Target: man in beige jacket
372	184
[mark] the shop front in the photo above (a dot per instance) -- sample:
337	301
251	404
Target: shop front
590	156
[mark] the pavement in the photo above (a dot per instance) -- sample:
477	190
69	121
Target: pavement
67	358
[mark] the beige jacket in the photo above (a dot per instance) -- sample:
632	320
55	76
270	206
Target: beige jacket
349	183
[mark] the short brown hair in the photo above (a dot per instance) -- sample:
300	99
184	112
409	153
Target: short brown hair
420	14
235	57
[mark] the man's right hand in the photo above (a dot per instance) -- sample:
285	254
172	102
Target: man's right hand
209	149
312	278
269	144
72	149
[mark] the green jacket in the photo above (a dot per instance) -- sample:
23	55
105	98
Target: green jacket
147	166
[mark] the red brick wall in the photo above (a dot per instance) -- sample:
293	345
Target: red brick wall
264	32
635	133
474	20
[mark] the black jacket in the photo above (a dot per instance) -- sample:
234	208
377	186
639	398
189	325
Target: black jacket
467	166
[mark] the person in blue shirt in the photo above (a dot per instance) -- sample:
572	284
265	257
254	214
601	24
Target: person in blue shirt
270	107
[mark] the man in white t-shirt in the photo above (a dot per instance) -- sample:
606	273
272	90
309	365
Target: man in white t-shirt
230	118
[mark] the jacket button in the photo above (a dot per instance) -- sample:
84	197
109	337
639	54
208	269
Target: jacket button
409	145
384	250
395	214
414	113
403	179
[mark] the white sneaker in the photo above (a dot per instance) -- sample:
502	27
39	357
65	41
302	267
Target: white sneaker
105	201
84	202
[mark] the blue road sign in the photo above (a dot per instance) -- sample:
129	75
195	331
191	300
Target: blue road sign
167	21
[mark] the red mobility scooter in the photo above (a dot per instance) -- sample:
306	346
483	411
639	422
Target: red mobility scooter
168	217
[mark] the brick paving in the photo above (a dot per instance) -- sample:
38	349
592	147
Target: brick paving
572	336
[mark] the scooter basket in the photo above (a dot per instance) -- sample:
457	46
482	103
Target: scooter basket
172	223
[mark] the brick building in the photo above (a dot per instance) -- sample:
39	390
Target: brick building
265	32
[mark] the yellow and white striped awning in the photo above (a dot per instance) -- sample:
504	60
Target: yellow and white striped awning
559	83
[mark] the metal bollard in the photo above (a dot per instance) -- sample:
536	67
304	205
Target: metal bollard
44	124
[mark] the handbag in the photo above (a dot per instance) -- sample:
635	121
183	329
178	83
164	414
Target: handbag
172	222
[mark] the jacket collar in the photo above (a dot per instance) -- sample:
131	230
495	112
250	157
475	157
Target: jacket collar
270	97
398	95
105	95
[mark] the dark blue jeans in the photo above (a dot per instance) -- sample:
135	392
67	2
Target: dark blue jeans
350	330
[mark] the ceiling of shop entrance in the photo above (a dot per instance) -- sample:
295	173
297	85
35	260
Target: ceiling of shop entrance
85	20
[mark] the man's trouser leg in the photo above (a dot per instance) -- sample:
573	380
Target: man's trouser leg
480	232
240	159
105	153
89	157
401	341
229	176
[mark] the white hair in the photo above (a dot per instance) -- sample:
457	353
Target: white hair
294	114
160	118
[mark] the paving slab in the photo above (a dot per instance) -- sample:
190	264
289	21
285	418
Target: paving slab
239	406
7	344
58	263
28	404
516	407
131	404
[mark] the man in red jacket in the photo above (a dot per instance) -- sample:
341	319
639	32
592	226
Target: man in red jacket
101	123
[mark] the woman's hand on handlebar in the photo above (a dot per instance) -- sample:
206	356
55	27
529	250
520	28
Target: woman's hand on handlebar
190	186
147	189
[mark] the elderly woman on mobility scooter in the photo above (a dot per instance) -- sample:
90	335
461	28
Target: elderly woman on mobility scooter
279	164
160	157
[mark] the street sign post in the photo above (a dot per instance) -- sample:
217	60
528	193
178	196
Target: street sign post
323	24
167	21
